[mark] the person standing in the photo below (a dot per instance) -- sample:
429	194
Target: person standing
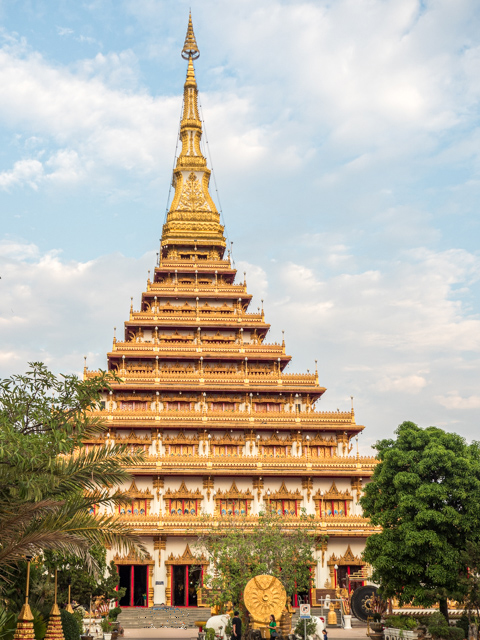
272	625
236	626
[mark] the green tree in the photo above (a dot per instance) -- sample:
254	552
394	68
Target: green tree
83	584
425	494
48	480
239	551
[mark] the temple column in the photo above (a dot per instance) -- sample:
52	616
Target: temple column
160	574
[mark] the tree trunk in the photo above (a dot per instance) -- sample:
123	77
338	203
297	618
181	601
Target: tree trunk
444	607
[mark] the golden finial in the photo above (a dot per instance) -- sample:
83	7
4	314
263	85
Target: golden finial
190	48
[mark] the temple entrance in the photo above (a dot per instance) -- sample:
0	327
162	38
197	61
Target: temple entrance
134	578
185	580
343	574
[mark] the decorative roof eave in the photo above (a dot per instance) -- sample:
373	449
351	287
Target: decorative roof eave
183	493
187	557
283	494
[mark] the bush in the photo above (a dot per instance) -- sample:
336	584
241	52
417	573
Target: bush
463	623
210	634
69	626
407	623
300	628
114	613
438	627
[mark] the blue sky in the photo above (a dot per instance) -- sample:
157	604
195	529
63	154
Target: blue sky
345	142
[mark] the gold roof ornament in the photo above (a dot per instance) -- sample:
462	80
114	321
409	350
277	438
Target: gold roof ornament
190	48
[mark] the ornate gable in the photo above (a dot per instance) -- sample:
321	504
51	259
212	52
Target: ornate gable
334	494
347	559
233	492
183	493
133	558
187	557
284	494
135	492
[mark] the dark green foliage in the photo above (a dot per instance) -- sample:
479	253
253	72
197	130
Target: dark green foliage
45	492
84	584
425	494
8	621
69	626
300	628
115	612
407	623
440	629
39	625
464	623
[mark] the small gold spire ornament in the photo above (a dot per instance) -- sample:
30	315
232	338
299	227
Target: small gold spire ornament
55	629
190	48
24	629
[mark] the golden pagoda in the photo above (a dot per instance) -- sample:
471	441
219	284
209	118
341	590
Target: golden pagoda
224	428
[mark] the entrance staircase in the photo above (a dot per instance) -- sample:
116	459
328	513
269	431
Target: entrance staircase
160	616
174	617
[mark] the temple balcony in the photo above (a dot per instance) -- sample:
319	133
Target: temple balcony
285	382
210	289
220	347
337	420
191	265
179	524
223	314
254	465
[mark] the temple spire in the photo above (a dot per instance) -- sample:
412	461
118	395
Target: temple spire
193	219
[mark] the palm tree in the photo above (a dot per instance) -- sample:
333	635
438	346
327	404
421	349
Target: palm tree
48	480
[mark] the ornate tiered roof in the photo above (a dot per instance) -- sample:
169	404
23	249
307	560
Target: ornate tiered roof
199	388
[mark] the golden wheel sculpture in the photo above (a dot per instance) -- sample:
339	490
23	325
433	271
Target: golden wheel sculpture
263	596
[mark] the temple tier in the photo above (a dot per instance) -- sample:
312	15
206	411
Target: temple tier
225	430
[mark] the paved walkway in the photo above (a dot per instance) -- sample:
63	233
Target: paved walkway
191	634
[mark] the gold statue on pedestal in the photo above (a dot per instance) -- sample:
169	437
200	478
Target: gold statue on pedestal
264	596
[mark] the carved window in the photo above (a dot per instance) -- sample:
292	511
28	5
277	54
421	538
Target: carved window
182	449
223	406
273	451
233	507
336	507
284	507
137	507
133	406
178	406
321	452
225	450
183	507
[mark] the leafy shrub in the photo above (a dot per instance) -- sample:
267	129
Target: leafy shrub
78	615
300	628
70	627
438	627
464	624
210	634
8	621
39	625
114	613
105	625
407	623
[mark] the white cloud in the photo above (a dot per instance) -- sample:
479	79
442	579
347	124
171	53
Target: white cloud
24	172
456	401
